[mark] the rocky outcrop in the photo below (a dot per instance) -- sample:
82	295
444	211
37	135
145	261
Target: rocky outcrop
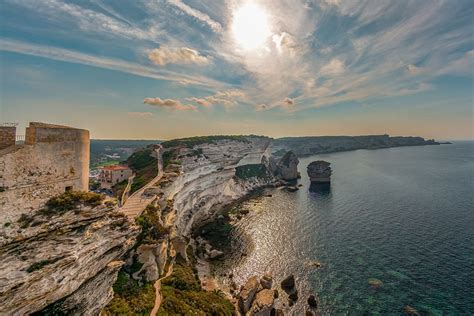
247	294
287	167
153	259
49	257
319	171
91	296
306	146
289	286
263	303
256	297
207	176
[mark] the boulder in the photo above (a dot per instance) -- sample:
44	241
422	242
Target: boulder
292	188
312	301
287	167
293	296
214	254
266	281
288	284
319	171
310	313
263	303
247	294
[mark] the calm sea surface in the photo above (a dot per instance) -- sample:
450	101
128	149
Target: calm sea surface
404	216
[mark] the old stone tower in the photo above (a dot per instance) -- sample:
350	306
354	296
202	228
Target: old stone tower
52	159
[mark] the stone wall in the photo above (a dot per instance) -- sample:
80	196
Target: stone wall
54	159
7	136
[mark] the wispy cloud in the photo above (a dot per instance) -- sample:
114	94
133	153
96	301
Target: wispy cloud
88	20
215	26
183	55
169	104
227	98
102	62
140	114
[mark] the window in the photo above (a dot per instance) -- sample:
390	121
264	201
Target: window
68	189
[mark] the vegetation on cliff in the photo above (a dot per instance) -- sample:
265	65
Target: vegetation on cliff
131	297
199	140
73	199
145	167
182	293
252	170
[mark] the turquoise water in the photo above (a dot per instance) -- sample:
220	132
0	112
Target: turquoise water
404	216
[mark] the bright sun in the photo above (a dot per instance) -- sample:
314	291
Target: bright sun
250	27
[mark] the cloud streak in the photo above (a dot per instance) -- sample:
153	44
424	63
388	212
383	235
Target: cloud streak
105	63
169	104
215	26
183	55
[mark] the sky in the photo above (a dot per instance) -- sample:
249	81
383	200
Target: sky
162	69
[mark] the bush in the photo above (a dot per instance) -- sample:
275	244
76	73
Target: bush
253	170
182	295
145	167
149	221
73	199
130	298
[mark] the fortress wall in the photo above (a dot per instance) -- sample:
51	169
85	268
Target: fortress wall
7	136
54	159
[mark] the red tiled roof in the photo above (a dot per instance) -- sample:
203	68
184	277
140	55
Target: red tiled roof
115	167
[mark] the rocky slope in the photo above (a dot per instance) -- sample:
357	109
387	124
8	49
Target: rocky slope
216	173
63	260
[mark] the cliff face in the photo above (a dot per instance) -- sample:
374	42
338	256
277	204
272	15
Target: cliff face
67	258
305	146
217	173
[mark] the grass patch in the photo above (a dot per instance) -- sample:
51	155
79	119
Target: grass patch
182	295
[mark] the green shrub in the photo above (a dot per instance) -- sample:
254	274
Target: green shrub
182	295
149	221
250	171
145	167
73	199
130	298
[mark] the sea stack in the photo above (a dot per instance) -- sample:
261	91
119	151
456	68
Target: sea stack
319	172
287	167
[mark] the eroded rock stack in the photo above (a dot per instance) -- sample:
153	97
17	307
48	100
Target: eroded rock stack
319	171
287	167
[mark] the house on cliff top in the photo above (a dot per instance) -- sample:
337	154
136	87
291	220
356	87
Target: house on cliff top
48	160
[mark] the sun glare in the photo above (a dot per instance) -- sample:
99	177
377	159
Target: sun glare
250	27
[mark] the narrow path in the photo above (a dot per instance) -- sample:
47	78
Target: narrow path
126	192
157	286
137	202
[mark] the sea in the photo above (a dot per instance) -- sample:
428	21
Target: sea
394	229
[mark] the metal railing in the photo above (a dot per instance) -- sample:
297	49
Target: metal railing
20	138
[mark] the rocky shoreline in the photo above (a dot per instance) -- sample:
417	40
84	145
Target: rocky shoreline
259	294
